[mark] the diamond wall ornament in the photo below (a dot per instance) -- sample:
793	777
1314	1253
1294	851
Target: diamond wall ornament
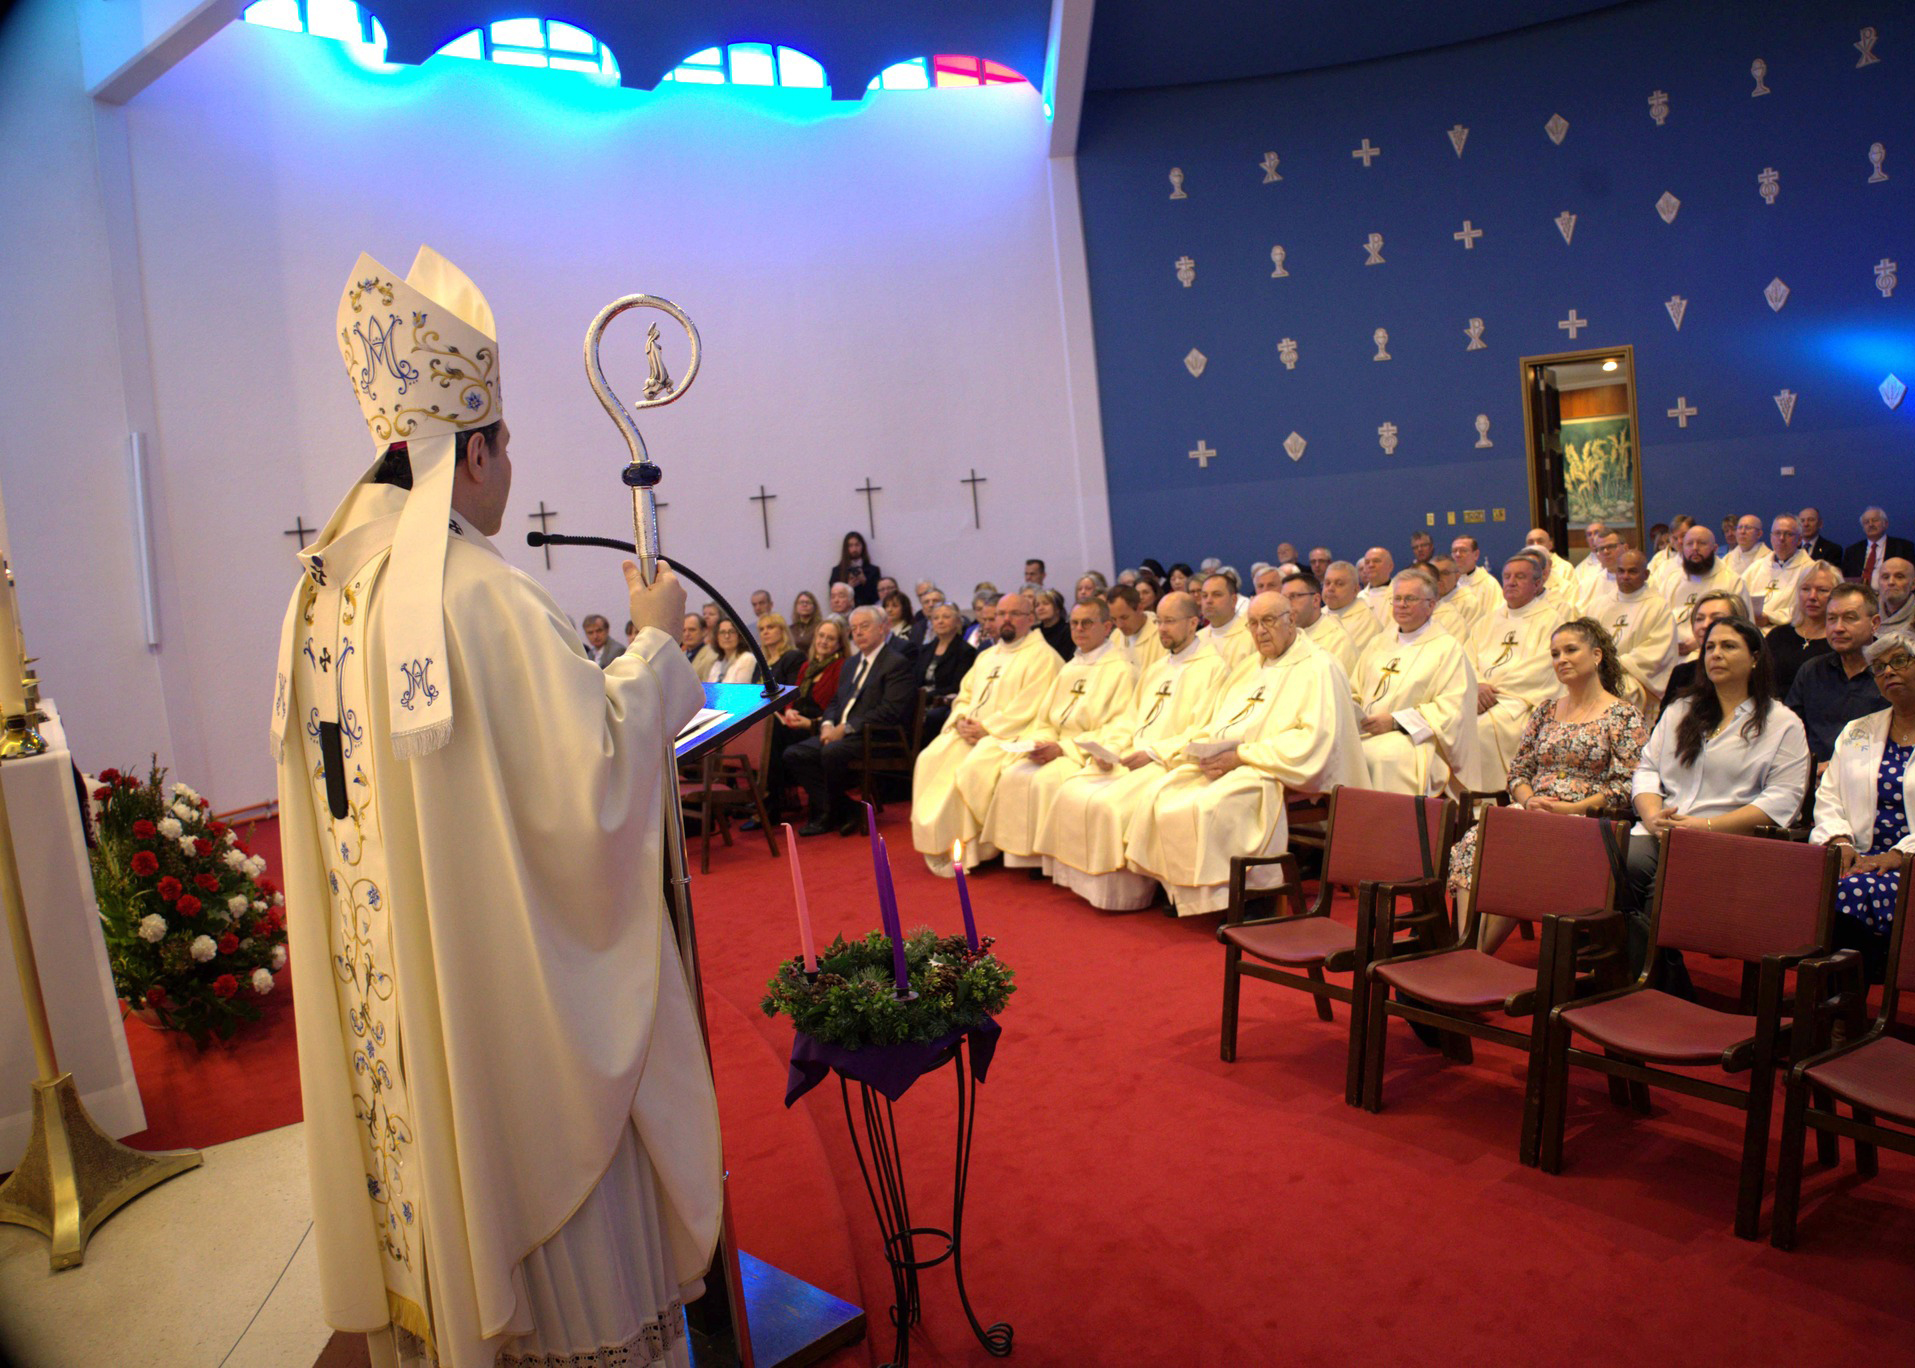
1386	438
1270	160
1768	185
1785	400
1776	293
1382	339
1277	254
1877	154
1482	431
1177	183
1659	106
1195	363
1866	46
1186	271
1677	307
1557	128
1468	235
1573	325
1892	391
1475	333
1366	154
1204	454
1667	207
1374	245
1458	136
1287	352
1566	225
1885	277
1294	445
1683	411
1758	69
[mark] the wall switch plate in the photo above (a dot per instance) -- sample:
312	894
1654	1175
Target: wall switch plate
1788	470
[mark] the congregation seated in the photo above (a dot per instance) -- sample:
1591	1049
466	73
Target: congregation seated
1510	654
1376	568
841	600
1415	695
1863	560
1227	630
1833	690
1806	634
1457	611
983	629
1700	572
1712	607
1772	582
1304	593
1866	804
1053	621
1133	629
731	663
1578	752
784	658
897	618
697	645
875	688
1743	548
1281	725
760	603
1340	585
1644	633
1150	591
941	663
817	683
1897	592
1558	574
1725	756
805	618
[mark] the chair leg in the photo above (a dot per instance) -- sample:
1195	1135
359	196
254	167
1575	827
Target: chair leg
1618	1087
1359	1036
1755	1153
1788	1173
1529	1144
1639	1096
1549	1156
1232	991
1865	1161
1527	930
1828	1145
1323	1003
1376	1036
704	835
764	814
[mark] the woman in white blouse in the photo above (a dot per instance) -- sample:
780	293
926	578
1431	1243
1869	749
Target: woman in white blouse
1725	756
1866	804
734	664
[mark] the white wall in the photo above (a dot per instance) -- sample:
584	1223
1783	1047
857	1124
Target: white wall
877	290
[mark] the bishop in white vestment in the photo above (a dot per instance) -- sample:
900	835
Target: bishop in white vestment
1082	837
1095	687
509	1119
1415	696
1639	622
1001	695
1513	672
1281	725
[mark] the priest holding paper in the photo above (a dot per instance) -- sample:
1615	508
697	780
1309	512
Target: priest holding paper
1001	695
1282	724
509	1120
1514	673
1416	696
1081	839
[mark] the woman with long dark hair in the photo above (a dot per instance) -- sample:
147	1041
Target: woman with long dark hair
1725	756
856	568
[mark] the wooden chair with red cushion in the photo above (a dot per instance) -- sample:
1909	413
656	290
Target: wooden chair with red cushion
1374	844
1767	903
1873	1073
1531	867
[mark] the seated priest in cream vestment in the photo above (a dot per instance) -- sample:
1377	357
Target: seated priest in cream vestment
1456	608
1415	695
1484	589
1341	602
1136	630
1699	572
510	1127
1558	575
1229	631
1281	725
1376	568
1596	576
1001	695
1638	621
1514	673
1095	688
1770	583
1302	591
1082	836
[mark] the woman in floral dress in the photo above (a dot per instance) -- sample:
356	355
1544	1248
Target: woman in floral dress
1576	756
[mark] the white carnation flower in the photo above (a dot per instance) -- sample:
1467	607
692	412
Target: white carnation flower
279	900
153	928
183	792
170	828
233	859
246	944
236	904
184	813
202	949
262	981
186	844
256	865
260	904
232	837
279	957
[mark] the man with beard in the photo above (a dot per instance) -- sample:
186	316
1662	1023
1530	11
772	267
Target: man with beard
1897	601
1638	621
1702	572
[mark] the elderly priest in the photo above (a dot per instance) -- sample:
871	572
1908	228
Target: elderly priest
1281	725
1416	696
1081	838
1001	695
509	1121
1510	650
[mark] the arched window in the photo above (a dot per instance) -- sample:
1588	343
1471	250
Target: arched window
339	19
943	71
750	64
550	43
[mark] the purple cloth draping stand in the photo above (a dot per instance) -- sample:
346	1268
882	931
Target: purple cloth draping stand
891	1069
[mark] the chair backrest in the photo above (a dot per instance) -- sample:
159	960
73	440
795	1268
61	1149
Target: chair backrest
1741	897
1371	837
1531	865
753	743
1901	946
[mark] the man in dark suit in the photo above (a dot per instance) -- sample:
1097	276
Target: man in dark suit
598	640
1863	560
875	688
1818	546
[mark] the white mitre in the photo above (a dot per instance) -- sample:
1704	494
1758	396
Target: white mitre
422	357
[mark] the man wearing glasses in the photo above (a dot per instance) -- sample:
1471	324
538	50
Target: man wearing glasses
1415	698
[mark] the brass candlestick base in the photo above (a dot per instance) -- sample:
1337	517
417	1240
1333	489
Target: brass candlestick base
22	736
74	1175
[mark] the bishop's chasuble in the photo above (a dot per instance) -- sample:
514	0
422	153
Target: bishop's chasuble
1003	693
1511	651
1358	623
1645	635
1295	732
1090	692
1328	634
1424	681
497	1045
1082	836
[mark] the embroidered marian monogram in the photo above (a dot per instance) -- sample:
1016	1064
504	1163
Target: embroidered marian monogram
376	341
417	683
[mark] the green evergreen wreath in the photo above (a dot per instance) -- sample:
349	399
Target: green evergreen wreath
851	1004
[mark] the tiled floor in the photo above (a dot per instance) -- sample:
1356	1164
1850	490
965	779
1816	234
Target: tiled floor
212	1269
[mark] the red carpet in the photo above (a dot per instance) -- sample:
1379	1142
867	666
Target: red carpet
1133	1199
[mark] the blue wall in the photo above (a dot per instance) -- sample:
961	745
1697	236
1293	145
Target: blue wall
1832	343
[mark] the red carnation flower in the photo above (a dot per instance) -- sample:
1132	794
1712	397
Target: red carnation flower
145	830
265	885
228	943
170	887
155	996
204	804
216	828
109	776
208	883
202	847
187	906
225	986
277	916
145	863
127	781
260	929
102	793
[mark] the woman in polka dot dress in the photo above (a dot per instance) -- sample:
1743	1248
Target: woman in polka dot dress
1866	804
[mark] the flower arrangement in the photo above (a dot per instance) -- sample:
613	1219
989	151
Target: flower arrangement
852	1001
194	929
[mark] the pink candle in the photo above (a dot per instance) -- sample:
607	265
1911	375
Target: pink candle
798	895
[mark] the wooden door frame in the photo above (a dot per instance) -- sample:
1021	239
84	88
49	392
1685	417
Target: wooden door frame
1627	354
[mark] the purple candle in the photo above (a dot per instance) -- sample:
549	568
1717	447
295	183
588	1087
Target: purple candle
888	907
964	894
